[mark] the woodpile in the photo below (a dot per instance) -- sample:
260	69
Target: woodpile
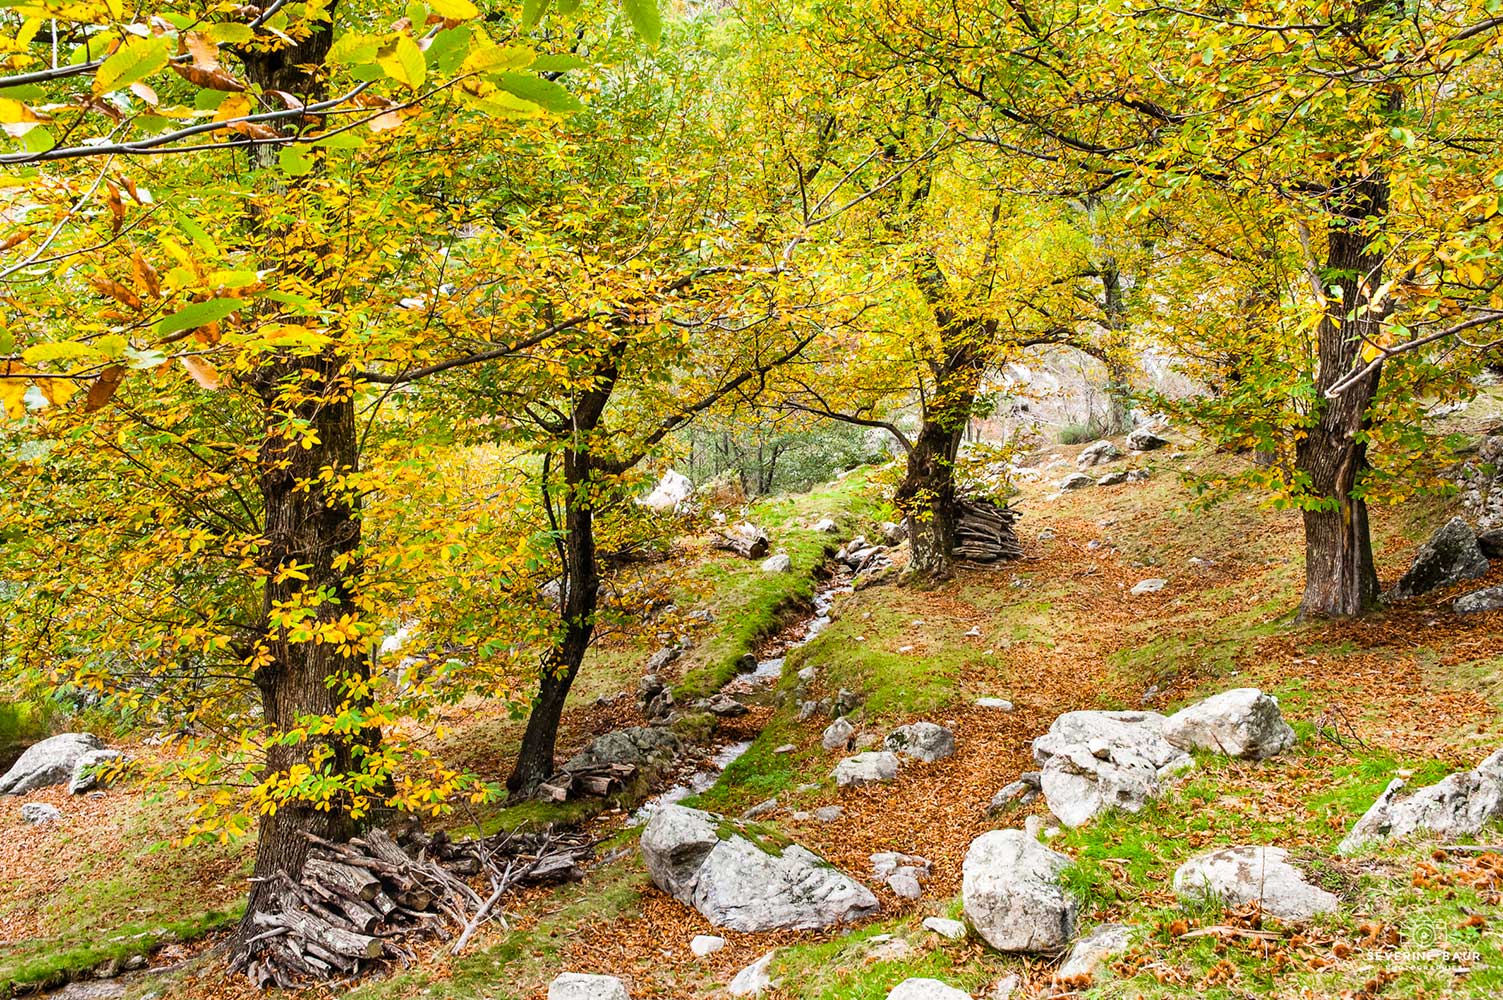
359	905
984	532
599	781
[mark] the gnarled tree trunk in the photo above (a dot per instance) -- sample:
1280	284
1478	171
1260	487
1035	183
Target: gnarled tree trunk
1340	578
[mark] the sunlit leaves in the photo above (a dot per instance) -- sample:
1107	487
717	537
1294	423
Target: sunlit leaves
136	59
403	61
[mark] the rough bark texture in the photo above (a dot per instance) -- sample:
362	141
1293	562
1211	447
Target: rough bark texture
1340	578
309	522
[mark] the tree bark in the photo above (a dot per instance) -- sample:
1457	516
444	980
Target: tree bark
1340	577
312	523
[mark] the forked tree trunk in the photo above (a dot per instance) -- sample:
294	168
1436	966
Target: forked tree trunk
927	495
1340	578
581	582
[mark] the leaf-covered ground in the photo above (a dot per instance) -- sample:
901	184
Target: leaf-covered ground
1415	688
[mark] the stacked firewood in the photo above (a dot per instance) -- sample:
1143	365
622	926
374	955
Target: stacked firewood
984	532
598	780
359	905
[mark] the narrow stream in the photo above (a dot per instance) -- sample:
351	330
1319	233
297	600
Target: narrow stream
764	675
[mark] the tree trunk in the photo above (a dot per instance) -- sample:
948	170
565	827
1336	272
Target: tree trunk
1340	578
927	495
580	598
311	523
1118	372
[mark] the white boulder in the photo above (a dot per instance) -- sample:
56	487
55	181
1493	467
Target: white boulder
927	741
754	979
1242	722
870	768
38	813
952	930
706	944
737	881
579	986
85	769
1012	896
1098	453
49	762
926	989
1091	761
673	489
1459	805
1236	876
837	735
780	563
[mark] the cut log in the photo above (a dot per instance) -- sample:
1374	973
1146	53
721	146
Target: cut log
747	547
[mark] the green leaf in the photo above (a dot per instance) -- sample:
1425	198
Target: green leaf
561	63
295	161
353	48
200	314
566	7
533	11
645	19
403	61
137	59
230	33
492	58
504	105
545	94
37	140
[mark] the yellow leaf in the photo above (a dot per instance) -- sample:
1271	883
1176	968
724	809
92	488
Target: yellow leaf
203	373
403	61
455	10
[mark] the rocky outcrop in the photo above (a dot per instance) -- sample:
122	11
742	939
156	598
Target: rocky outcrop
1450	556
578	986
1012	896
926	741
1097	453
647	747
1236	876
50	762
1143	439
1242	722
1094	948
1091	761
738	881
1076	481
870	768
1458	805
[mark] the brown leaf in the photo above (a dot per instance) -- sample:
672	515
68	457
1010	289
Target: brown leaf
146	276
205	52
103	388
203	373
116	204
116	291
15	239
213	79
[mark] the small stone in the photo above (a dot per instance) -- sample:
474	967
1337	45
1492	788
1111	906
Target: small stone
887	863
926	989
837	735
786	748
39	813
706	944
1150	586
1094	948
780	563
1001	704
1098	453
1487	599
904	885
886	948
829	814
1005	987
1113	478
753	979
1144	439
578	986
806	675
826	526
1076	481
1012	895
926	741
1048	535
870	768
954	930
761	808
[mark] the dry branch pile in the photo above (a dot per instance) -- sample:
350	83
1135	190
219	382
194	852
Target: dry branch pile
984	533
358	904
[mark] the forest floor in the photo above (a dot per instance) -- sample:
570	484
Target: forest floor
1415	688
